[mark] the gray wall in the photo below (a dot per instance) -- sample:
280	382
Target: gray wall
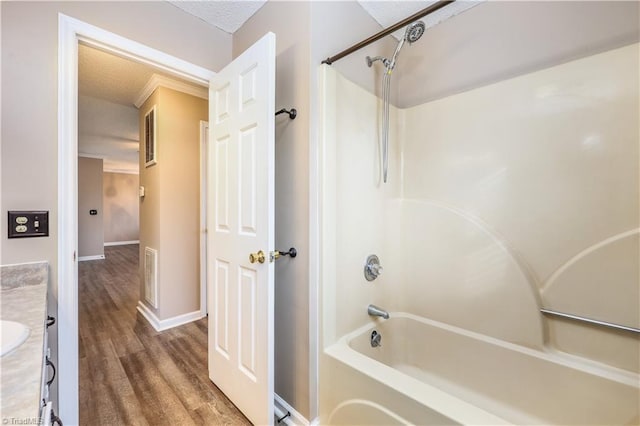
336	26
290	23
170	209
29	58
497	40
121	207
90	228
306	33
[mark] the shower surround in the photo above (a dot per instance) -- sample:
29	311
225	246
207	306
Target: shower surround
502	200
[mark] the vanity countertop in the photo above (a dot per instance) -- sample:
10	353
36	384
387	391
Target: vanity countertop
23	294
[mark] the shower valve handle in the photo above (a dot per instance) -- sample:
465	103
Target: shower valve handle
372	268
376	269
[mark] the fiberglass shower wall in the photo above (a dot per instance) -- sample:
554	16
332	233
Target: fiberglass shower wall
359	210
503	199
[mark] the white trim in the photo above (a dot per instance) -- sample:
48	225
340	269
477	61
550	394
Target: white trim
70	32
121	243
0	131
96	156
67	220
204	131
157	80
149	315
280	407
138	52
165	324
121	171
108	169
85	258
315	228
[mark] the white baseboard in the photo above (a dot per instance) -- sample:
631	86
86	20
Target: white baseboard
121	243
165	324
149	315
97	257
281	407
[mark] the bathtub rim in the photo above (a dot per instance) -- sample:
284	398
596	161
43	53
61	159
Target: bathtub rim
445	404
387	411
449	405
548	353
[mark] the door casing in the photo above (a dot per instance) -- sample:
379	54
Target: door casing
72	31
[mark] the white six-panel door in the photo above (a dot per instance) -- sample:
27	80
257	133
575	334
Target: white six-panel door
240	221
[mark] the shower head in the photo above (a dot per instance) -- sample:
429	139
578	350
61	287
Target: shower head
414	32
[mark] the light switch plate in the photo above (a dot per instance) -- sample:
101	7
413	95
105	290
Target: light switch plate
25	224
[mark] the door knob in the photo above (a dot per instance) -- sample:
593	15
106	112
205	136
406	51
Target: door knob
257	257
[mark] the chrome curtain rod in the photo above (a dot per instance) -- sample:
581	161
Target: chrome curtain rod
590	320
424	12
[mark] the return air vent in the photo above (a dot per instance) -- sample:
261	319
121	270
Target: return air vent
151	276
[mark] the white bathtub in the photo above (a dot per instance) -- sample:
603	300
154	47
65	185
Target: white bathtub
431	373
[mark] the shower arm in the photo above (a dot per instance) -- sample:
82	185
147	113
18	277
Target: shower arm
424	12
371	60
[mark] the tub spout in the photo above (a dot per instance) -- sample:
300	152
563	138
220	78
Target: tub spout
375	311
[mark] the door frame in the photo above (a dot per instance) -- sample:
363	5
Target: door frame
204	232
72	31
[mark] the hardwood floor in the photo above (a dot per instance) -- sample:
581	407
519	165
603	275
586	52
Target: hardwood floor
129	373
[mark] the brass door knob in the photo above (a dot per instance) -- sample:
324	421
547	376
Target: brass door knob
257	257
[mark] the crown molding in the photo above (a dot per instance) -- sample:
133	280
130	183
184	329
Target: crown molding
121	171
157	80
96	156
108	169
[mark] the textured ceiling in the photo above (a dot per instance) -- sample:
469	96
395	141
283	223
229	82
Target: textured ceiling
387	13
108	86
112	78
226	15
105	76
107	120
229	16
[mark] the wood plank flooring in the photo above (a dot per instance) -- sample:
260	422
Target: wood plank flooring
129	373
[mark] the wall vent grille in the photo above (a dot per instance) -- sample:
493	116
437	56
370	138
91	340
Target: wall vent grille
151	276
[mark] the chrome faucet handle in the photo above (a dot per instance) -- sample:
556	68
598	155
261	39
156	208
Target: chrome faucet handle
376	269
372	268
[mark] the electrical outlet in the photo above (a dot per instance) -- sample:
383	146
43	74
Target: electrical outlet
24	224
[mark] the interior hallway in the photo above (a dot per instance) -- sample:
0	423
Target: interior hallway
131	374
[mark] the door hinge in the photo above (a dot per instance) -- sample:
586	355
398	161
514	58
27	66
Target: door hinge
74	255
